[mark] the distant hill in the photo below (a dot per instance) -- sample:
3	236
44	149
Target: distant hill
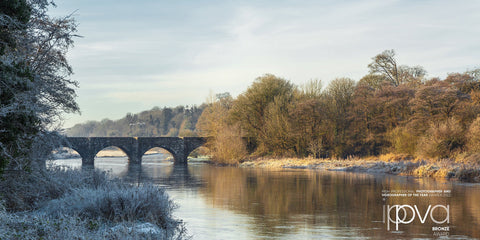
168	122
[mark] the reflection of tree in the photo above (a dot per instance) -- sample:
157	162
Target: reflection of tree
284	201
466	211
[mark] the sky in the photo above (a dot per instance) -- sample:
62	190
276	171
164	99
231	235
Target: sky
135	55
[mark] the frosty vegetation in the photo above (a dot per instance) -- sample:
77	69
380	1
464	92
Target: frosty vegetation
61	203
35	84
35	89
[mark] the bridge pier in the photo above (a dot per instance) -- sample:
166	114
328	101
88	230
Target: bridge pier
89	160
134	159
180	158
134	147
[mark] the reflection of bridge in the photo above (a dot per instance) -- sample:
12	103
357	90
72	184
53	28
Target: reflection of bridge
134	147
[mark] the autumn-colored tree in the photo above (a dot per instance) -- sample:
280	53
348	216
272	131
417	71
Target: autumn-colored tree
279	141
339	95
473	136
372	81
365	131
252	109
394	104
312	89
228	146
215	115
403	140
225	143
464	82
442	140
436	101
469	86
307	115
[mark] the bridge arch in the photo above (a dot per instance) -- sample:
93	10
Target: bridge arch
145	150
127	145
158	150
192	143
173	145
112	148
67	154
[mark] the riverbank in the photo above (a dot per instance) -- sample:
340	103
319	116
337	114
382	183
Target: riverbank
387	164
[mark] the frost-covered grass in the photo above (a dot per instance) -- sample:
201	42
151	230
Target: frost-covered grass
23	191
61	203
117	203
36	225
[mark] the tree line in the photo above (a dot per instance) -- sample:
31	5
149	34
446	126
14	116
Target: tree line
393	109
168	122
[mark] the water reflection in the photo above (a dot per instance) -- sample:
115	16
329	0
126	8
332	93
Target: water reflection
236	203
167	175
292	202
155	168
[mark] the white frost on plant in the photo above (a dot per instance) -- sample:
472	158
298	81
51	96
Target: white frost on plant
89	205
36	81
139	228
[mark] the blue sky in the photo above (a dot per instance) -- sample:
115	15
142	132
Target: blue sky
139	54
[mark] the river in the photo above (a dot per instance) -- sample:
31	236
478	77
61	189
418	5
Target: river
244	203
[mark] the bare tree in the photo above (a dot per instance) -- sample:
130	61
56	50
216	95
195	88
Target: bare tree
386	65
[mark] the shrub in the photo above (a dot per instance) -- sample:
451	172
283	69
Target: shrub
391	157
27	190
473	136
35	225
228	147
426	170
402	140
117	203
63	204
40	226
442	140
472	159
467	174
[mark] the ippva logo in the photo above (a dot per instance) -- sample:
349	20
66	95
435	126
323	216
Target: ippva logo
406	214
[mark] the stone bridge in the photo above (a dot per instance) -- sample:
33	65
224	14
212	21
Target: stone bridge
134	147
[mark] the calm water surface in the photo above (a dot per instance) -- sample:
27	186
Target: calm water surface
238	203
